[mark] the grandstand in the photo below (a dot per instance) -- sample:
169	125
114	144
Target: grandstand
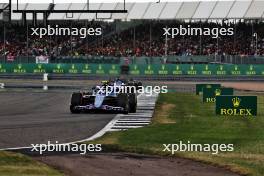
196	10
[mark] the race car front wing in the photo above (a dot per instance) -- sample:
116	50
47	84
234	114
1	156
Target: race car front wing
103	107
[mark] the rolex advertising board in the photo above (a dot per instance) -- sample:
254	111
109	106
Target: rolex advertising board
209	94
199	87
236	105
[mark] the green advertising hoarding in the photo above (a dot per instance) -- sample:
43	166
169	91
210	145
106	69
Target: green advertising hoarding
199	87
197	69
209	94
143	69
104	69
236	105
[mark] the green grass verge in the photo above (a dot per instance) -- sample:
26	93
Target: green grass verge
191	120
13	164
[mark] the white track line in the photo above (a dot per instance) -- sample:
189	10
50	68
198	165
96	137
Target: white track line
146	105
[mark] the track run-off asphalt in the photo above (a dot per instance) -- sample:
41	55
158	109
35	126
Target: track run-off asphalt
30	117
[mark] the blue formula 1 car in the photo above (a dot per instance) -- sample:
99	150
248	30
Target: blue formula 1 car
106	97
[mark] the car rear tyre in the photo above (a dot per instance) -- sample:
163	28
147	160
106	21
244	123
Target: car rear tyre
123	102
76	100
133	103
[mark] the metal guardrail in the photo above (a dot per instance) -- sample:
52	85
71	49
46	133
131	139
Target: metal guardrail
140	78
228	59
65	59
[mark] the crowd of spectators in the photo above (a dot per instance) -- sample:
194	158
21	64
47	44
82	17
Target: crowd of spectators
144	39
147	39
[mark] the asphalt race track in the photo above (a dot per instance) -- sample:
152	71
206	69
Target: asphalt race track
29	117
32	116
